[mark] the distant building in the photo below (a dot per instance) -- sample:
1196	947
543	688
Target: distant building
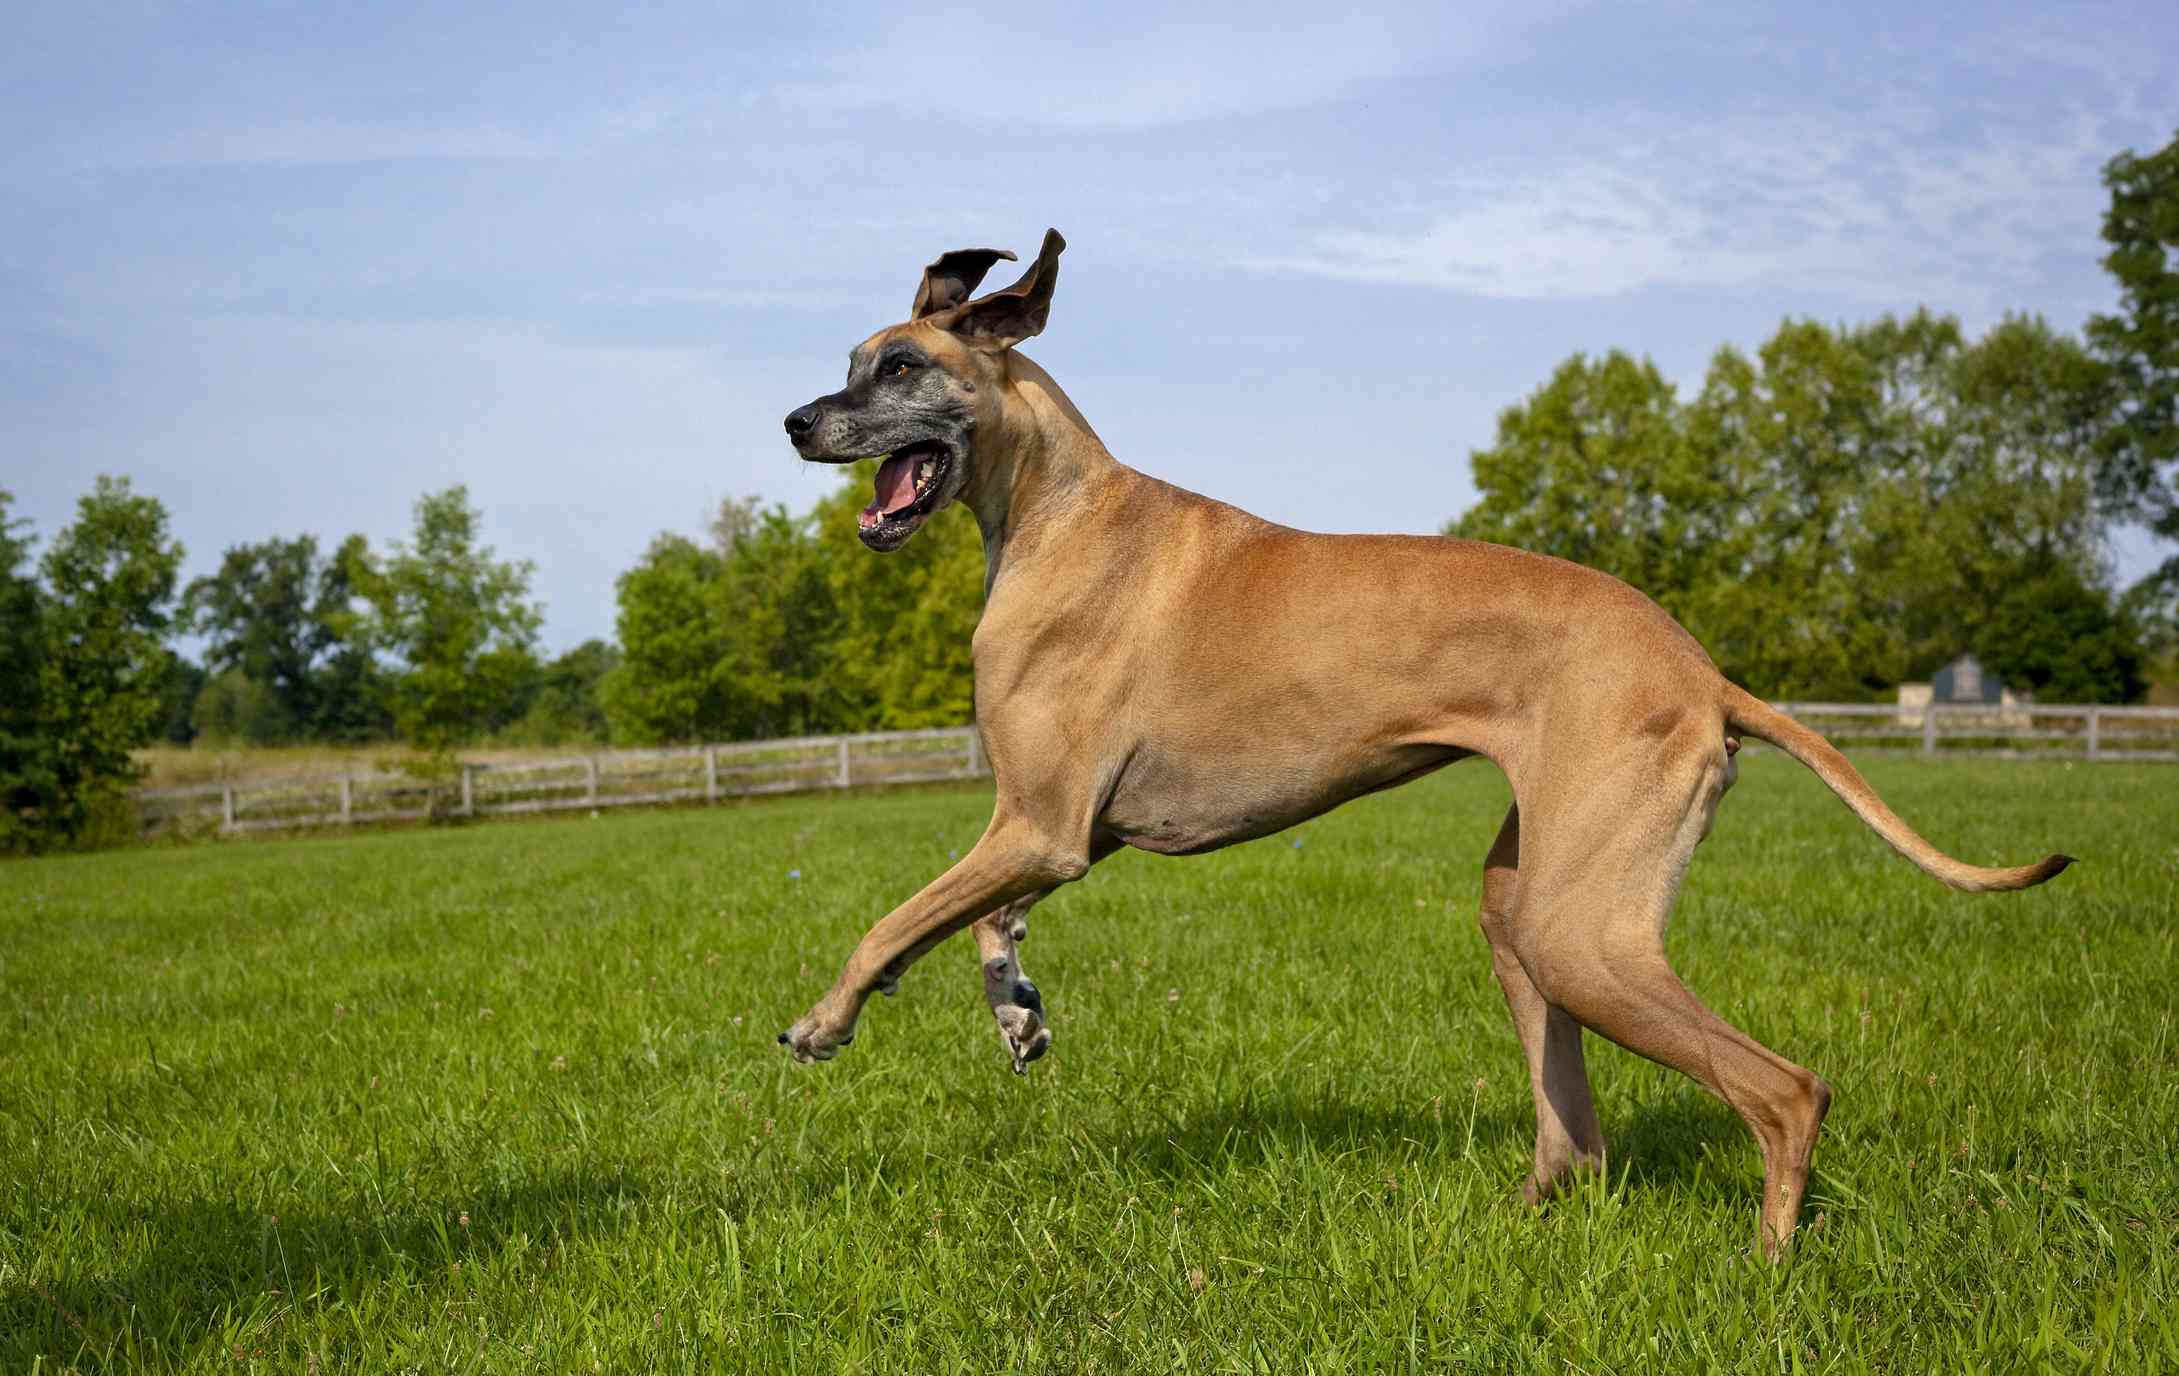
1965	680
1961	684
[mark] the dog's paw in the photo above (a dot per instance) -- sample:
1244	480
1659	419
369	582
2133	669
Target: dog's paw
1021	1025
808	1041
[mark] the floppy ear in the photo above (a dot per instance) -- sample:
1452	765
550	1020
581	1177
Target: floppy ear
1006	317
948	282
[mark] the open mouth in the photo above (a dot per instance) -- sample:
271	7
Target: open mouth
909	481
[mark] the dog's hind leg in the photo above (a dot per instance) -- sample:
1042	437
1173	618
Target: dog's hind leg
1590	933
1567	1134
1014	1001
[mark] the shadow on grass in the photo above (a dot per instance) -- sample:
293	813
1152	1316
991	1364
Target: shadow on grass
216	1266
1258	1131
1669	1144
1662	1145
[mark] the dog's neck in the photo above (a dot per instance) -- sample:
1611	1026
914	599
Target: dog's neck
1041	462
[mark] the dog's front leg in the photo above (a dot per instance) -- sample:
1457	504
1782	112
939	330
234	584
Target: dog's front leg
1012	861
1014	1001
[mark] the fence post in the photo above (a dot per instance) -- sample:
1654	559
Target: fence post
2095	733
711	773
1929	727
469	797
847	775
226	807
347	803
975	750
590	778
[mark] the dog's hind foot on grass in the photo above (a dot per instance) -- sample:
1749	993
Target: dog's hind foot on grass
1561	1176
1014	1001
1019	1011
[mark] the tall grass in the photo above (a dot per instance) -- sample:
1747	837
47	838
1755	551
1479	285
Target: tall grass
505	1098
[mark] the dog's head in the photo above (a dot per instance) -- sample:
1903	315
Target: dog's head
918	394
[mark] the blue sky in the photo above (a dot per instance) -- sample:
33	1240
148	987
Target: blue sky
290	266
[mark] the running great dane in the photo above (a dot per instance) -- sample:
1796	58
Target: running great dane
1160	670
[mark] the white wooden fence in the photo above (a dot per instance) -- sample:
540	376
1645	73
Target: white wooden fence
618	778
2028	730
707	773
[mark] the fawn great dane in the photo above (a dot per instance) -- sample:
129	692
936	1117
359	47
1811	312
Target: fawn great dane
1160	670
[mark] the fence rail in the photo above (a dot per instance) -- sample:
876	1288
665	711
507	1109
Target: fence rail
707	773
617	778
2028	730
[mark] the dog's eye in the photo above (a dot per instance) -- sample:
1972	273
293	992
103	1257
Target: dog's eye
898	368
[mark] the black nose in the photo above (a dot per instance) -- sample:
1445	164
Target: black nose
801	419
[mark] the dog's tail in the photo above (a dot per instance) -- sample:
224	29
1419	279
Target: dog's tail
1751	715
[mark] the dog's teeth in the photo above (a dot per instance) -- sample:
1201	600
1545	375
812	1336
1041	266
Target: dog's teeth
923	472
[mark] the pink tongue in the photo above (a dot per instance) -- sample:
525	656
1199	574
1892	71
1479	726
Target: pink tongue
896	484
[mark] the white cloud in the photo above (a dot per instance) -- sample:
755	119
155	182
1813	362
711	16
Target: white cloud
1082	69
1785	205
1890	200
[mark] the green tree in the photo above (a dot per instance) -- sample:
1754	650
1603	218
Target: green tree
786	625
1598	467
1846	508
234	709
1731	510
2063	638
273	615
2140	346
776	610
567	705
457	621
26	774
265	614
667	684
899	653
1810	430
1997	491
102	669
354	691
178	699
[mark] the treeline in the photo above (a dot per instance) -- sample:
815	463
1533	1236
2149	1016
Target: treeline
773	625
1853	506
431	642
784	625
1847	509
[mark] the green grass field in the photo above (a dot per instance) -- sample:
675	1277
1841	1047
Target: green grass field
505	1098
